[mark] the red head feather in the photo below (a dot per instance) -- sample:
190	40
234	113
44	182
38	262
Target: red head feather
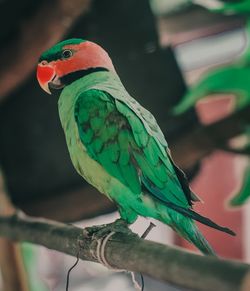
85	55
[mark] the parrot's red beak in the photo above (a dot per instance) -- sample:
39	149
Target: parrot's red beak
45	75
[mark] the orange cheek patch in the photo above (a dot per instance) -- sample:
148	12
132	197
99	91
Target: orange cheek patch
45	73
64	67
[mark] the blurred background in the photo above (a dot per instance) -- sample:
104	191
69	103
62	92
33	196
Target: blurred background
188	62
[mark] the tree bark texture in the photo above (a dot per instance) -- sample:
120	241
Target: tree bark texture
126	251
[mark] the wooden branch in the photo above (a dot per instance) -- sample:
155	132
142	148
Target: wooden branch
125	250
190	147
39	32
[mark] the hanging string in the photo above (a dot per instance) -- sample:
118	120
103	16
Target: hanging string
144	235
142	282
68	274
136	284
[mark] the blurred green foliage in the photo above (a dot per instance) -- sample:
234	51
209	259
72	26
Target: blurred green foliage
229	79
30	258
242	195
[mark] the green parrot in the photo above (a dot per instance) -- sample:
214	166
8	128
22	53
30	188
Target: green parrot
115	143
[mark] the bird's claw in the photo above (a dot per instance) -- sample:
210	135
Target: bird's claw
100	231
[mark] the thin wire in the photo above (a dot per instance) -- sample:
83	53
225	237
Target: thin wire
147	231
68	274
142	282
144	235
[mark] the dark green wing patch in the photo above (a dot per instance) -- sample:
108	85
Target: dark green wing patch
116	138
159	174
106	135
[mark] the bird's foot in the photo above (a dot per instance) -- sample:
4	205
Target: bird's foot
100	231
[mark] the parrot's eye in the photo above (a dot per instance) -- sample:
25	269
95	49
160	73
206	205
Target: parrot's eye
43	63
67	54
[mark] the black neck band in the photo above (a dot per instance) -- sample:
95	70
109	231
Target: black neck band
71	77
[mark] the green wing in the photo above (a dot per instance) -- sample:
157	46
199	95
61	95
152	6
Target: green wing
115	136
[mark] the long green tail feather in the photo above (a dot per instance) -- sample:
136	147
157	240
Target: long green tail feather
187	212
204	220
186	228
